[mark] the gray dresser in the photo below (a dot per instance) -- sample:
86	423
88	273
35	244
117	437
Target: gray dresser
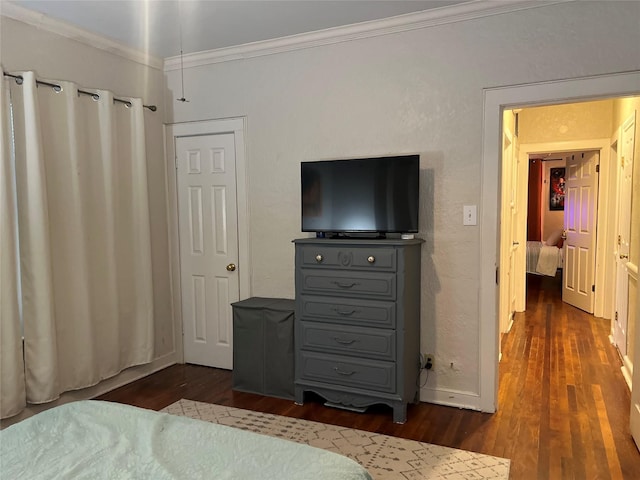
357	322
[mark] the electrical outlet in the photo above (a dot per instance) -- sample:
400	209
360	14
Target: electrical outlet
428	362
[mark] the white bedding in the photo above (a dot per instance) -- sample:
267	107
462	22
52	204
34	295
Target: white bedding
102	440
543	259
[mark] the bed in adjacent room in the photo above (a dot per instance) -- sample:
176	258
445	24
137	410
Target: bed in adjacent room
545	258
95	440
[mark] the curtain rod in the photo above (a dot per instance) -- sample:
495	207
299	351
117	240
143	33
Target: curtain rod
58	88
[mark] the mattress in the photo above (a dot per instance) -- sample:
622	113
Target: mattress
99	440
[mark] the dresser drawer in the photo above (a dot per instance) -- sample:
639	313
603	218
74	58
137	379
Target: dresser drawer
348	311
381	286
354	341
369	258
338	370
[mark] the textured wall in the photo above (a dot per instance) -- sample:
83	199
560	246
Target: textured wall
563	123
418	91
55	57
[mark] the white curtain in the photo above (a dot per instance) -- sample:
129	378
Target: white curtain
12	388
84	237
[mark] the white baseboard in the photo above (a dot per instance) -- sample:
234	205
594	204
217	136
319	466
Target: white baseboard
451	398
627	366
123	378
511	319
627	371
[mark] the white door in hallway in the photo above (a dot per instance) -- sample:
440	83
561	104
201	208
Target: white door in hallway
580	210
207	218
628	144
625	179
509	238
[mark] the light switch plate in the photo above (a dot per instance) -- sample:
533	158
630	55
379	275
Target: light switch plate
469	215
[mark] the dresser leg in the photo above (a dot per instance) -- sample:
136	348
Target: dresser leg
400	413
299	396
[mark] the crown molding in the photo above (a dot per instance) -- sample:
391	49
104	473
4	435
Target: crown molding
59	27
401	23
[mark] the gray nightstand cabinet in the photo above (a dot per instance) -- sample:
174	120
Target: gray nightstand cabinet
357	322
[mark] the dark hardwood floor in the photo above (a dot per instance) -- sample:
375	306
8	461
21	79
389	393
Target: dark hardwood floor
563	403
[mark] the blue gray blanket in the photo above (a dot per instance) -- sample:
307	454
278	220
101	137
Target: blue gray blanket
102	440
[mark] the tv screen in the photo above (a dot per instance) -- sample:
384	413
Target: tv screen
374	195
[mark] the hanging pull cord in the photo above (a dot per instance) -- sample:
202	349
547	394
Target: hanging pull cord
181	99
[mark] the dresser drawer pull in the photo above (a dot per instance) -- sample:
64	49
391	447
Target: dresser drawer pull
342	341
345	285
371	259
319	258
342	372
345	313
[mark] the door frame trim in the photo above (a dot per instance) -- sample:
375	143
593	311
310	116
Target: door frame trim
495	101
237	126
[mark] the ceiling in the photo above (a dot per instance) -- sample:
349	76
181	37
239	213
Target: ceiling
153	26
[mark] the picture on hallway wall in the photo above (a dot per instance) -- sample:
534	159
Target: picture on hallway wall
556	188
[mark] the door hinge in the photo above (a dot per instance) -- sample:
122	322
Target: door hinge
598	168
593	288
616	316
619	239
175	162
497	275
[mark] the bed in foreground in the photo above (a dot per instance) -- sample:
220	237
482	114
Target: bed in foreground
95	440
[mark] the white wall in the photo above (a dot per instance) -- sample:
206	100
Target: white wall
418	91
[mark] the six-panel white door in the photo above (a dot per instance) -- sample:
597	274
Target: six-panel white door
625	179
581	194
207	217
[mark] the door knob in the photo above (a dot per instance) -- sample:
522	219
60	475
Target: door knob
622	257
231	267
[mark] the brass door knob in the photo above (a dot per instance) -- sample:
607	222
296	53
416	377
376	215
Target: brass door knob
231	267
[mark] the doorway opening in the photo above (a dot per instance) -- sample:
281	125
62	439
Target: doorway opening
596	225
495	102
573	210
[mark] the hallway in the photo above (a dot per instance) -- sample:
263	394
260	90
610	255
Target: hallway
563	376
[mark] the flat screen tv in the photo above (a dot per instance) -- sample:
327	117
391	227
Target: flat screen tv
361	196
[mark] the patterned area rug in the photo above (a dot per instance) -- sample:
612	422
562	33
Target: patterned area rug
385	457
